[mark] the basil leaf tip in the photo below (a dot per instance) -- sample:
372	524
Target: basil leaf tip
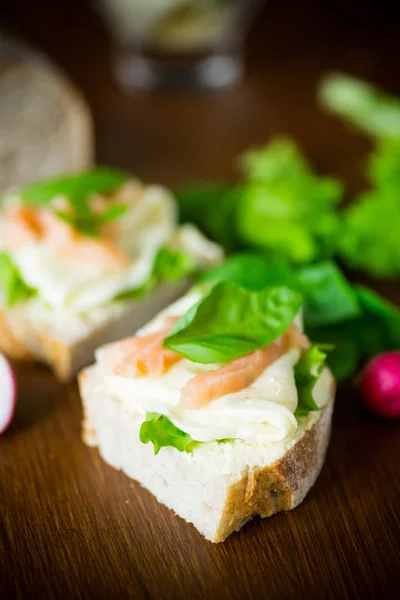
231	321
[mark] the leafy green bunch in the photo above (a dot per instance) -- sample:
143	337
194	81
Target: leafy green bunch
369	234
281	206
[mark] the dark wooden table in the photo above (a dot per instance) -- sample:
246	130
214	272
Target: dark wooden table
72	527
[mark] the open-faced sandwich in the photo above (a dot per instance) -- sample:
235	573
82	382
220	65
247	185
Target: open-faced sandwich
87	259
220	406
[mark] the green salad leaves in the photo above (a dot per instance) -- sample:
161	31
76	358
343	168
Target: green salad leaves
356	321
13	288
285	207
329	296
281	206
368	236
231	321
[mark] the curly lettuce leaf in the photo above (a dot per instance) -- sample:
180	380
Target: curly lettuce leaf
307	372
159	430
369	237
362	105
231	321
13	287
285	207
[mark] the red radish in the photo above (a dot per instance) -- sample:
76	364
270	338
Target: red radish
380	385
8	393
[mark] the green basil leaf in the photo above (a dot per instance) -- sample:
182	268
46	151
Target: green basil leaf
75	187
376	330
251	270
14	289
212	207
330	298
230	321
307	371
381	316
159	430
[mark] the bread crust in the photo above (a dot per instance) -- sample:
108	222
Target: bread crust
281	486
9	344
264	491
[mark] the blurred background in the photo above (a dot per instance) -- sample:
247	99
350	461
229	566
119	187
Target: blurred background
175	136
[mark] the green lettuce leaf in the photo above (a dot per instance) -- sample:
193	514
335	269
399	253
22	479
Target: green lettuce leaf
383	165
369	237
230	321
159	430
285	207
14	289
330	298
307	371
361	104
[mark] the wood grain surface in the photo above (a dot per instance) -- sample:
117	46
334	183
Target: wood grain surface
72	527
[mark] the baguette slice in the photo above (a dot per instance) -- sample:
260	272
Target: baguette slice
217	487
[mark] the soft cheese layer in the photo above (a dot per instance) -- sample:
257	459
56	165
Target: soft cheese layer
149	223
261	413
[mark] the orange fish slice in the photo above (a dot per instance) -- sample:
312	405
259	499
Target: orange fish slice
142	355
21	225
239	373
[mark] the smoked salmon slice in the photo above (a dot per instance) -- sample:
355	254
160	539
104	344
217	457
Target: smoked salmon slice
239	373
143	355
22	225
